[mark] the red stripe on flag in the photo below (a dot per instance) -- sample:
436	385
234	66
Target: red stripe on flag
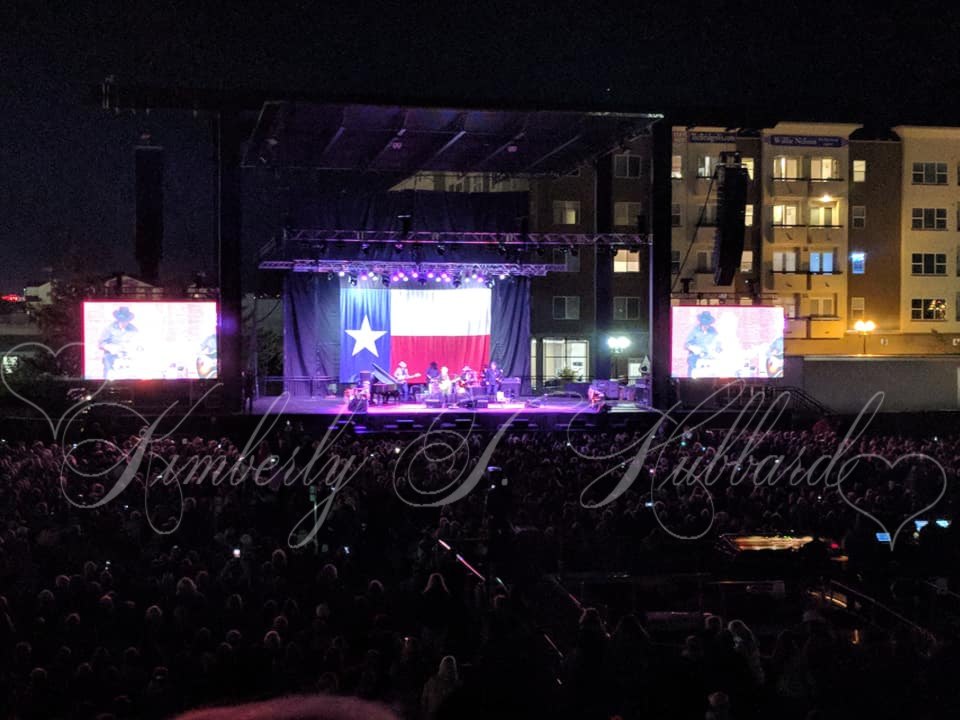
450	350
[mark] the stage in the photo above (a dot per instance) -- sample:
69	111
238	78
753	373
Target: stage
543	413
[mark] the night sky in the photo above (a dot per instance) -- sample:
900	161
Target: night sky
66	166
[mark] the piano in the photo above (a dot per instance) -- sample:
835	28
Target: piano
383	386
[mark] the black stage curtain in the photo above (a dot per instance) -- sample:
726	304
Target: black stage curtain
311	327
311	323
510	329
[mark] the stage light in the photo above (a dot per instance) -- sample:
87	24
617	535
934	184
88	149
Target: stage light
430	275
406	279
540	250
503	276
398	246
341	273
364	248
385	279
456	281
474	275
490	283
441	249
353	280
330	275
573	250
414	274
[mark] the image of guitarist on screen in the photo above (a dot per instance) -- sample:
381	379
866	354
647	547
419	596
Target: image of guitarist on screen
702	345
118	342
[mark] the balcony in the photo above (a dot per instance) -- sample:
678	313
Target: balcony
793	234
786	282
825	282
827	327
825	233
786	186
827	186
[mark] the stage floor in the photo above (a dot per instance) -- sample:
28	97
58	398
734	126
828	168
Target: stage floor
337	406
526	414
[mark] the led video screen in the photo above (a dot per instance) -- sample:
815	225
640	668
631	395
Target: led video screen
727	341
124	340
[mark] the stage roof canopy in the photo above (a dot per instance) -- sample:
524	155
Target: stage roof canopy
402	141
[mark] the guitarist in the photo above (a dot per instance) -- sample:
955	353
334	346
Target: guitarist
701	343
117	341
403	377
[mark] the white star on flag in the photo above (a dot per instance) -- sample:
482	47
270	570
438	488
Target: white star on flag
366	339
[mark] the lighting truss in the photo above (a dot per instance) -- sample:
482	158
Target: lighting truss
492	239
411	270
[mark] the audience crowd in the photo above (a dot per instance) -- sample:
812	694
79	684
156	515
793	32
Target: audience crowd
161	596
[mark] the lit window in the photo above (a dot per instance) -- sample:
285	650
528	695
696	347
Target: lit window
822	306
625	262
859	170
928	309
857	306
566	212
824	168
784	261
821	262
786	215
706	165
746	261
748	166
786	167
823	216
748	216
858	263
676	167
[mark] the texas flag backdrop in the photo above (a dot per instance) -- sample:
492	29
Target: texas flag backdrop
417	326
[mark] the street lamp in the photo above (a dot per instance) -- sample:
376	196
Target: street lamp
864	327
617	345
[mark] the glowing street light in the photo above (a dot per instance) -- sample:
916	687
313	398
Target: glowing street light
864	327
618	344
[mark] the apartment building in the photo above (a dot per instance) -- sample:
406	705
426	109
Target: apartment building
696	154
564	329
930	230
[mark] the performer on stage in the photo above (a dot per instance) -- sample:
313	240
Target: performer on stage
447	391
701	344
118	341
492	377
468	380
402	376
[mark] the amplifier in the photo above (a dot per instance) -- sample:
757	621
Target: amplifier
433	402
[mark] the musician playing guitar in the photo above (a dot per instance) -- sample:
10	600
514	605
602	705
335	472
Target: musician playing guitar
701	343
402	376
118	343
